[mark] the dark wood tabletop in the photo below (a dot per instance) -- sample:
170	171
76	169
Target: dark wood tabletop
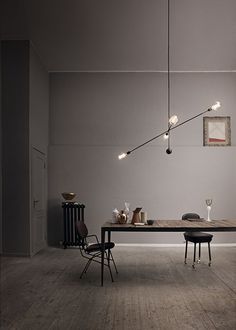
175	226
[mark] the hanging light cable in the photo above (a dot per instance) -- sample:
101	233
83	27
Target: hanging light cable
167	135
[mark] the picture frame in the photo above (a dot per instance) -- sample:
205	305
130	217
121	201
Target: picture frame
216	131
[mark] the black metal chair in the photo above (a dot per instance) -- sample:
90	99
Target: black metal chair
196	238
93	251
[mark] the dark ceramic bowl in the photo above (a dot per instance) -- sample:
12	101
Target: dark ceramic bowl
150	222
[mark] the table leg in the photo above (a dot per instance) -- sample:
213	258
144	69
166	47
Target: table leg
109	251
103	251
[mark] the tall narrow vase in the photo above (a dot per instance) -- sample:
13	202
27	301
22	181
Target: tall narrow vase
208	203
208	213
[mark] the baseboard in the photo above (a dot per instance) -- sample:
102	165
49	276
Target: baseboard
170	245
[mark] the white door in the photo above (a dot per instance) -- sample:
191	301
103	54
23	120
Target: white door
38	202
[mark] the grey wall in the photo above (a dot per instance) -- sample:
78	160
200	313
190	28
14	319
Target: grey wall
0	151
15	91
96	116
25	96
39	103
125	34
106	113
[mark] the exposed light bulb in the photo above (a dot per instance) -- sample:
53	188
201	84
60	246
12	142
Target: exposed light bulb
166	136
215	106
173	120
121	156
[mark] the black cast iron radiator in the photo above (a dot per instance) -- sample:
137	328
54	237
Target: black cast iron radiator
72	212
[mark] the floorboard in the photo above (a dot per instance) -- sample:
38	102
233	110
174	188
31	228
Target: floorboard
153	290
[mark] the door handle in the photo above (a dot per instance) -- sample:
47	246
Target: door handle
35	202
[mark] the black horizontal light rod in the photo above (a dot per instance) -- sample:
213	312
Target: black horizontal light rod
167	131
143	144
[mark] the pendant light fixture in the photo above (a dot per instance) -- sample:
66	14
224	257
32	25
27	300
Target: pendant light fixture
172	120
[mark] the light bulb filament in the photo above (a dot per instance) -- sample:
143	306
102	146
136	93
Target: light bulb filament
173	120
215	106
123	155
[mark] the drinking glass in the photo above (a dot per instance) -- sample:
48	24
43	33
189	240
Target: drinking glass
208	203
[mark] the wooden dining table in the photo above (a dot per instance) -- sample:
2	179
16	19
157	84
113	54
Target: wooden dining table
224	225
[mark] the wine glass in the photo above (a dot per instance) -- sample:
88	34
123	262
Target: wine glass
208	203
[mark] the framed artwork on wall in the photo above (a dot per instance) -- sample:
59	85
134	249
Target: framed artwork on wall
216	131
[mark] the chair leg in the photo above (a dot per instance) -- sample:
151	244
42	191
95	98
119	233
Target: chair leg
194	256
199	253
186	252
86	267
108	257
98	255
108	264
114	263
209	251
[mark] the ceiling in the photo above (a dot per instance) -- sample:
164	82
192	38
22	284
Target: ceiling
125	35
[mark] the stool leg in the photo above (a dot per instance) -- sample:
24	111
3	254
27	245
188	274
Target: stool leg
209	251
199	254
194	256
186	252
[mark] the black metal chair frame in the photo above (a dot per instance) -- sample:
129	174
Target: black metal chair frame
96	254
195	216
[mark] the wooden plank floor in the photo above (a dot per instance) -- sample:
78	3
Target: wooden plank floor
153	290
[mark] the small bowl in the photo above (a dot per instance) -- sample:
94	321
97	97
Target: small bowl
150	222
68	196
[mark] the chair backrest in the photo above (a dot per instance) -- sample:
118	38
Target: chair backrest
187	216
82	229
